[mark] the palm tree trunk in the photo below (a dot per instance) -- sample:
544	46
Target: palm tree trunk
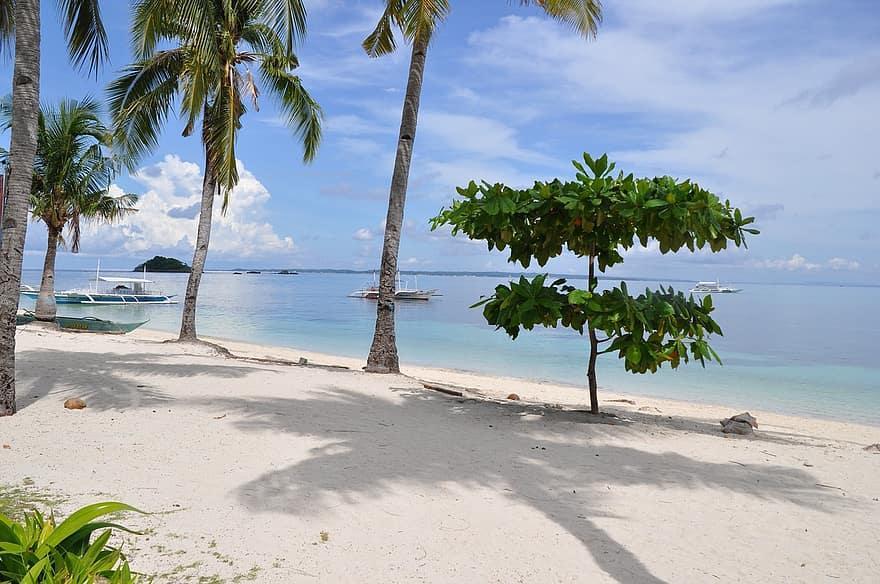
45	308
383	352
23	147
203	238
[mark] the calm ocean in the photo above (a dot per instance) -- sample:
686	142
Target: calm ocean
806	350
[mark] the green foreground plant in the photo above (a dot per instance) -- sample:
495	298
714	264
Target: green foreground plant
37	551
598	216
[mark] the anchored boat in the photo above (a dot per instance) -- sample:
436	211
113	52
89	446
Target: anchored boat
401	291
120	291
713	288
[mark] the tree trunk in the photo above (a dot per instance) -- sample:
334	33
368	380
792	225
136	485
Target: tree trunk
203	238
383	352
45	308
594	349
23	148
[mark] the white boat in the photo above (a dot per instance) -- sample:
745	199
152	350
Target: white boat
120	291
713	288
401	291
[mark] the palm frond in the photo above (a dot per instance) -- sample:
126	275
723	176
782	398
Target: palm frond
86	37
381	40
5	112
221	124
7	27
287	18
582	15
302	113
140	101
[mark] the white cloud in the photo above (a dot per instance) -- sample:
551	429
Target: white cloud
364	234
797	262
711	98
477	135
167	217
843	264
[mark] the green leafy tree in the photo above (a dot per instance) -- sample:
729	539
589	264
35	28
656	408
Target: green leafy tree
217	47
417	20
71	183
87	44
597	216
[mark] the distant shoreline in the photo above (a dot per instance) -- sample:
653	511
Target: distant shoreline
455	274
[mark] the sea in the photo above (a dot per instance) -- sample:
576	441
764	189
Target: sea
810	350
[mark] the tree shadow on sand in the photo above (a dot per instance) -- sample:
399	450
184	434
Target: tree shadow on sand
106	381
512	450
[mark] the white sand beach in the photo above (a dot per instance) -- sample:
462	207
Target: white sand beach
265	472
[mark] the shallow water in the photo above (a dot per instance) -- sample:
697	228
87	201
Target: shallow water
805	350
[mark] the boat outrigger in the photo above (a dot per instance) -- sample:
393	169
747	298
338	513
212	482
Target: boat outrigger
713	288
401	291
122	291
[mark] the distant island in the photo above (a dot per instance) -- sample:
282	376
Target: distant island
163	264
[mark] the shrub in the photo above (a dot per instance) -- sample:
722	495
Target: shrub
37	551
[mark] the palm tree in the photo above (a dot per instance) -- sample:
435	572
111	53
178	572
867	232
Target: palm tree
417	20
87	43
72	177
218	42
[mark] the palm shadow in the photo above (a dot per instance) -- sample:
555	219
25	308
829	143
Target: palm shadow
109	381
525	452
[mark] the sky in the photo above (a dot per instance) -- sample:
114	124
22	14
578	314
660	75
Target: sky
771	104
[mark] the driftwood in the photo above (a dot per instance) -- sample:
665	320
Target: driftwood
442	389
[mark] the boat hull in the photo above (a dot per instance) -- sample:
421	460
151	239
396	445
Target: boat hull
89	324
116	299
24	318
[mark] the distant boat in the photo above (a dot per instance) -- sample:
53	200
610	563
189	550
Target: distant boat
713	288
254	272
237	273
401	292
90	324
287	273
124	291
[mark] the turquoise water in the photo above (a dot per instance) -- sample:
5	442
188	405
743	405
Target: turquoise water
805	350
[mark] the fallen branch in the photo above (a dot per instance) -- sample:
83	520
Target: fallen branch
442	389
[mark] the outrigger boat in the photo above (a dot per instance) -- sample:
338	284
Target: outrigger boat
90	324
123	291
713	288
24	317
401	291
83	324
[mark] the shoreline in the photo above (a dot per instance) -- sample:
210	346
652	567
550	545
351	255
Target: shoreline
485	381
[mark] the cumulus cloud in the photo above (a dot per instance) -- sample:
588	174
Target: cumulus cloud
797	262
167	217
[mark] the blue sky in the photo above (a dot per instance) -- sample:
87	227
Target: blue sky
770	103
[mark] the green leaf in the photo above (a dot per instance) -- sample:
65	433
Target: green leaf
80	519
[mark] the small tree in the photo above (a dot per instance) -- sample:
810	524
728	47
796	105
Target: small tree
598	216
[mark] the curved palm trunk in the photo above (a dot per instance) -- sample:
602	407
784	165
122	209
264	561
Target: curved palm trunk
203	237
45	308
23	147
383	352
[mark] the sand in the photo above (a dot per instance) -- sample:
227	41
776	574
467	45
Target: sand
274	473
